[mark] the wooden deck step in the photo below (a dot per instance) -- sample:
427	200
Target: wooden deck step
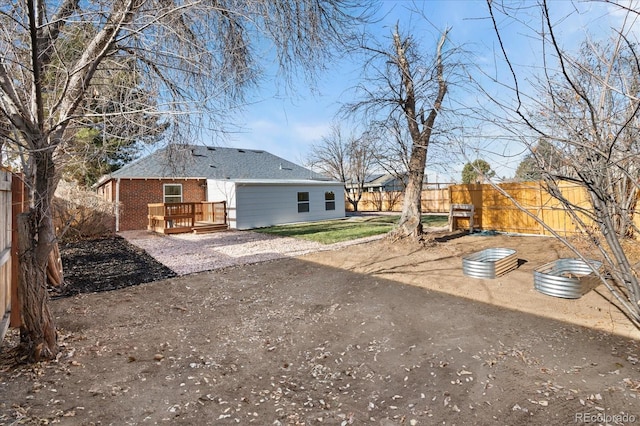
205	229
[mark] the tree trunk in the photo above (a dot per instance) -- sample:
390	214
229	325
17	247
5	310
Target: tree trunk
354	201
36	239
38	331
411	220
410	224
54	268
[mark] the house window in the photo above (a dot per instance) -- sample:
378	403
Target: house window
303	202
173	193
329	200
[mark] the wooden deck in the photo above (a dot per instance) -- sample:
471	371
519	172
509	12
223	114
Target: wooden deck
175	218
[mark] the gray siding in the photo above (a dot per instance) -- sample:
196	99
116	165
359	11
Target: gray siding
269	204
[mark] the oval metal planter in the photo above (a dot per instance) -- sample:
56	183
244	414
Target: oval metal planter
566	278
489	263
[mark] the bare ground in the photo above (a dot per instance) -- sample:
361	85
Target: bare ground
375	333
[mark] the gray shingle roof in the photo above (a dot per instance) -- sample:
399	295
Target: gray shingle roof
196	161
376	180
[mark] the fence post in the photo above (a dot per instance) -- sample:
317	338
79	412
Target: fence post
5	251
542	209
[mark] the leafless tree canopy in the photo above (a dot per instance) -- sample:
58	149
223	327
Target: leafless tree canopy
393	147
174	59
345	157
404	89
189	56
585	106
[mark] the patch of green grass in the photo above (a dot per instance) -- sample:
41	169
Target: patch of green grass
334	231
435	220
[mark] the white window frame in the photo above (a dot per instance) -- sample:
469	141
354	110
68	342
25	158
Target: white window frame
302	203
329	200
165	196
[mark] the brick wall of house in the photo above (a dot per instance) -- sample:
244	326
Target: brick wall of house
135	194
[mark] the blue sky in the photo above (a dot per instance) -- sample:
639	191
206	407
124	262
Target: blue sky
287	125
287	122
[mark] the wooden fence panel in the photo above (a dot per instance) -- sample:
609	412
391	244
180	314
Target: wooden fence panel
433	201
5	251
500	213
495	211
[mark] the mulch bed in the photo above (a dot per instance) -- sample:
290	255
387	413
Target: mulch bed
107	264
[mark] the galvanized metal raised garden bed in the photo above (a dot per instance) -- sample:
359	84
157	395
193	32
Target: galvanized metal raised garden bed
489	263
566	278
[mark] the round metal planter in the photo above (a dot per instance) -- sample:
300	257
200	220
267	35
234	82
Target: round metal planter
566	278
489	263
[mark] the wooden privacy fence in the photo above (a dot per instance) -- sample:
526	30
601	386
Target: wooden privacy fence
12	203
5	251
433	201
495	211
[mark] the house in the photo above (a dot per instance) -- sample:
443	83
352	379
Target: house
378	183
390	183
259	188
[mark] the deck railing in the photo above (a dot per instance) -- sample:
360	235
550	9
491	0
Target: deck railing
170	218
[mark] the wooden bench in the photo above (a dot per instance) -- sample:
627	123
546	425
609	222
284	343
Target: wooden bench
461	210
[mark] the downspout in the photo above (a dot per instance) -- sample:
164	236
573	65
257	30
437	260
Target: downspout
117	204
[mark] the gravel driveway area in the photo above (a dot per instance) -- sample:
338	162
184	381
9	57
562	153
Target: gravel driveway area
190	253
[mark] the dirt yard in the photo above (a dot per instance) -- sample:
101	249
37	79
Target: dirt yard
375	333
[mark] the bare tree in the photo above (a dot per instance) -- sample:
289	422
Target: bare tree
193	56
393	150
586	105
406	87
347	158
393	147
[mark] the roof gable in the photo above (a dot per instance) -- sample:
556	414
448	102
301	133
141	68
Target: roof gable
196	161
378	180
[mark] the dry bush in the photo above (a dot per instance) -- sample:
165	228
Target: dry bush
81	214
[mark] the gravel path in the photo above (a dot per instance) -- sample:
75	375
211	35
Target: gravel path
190	253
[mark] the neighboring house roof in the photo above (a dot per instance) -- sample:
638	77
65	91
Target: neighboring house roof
377	181
381	180
391	182
197	161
